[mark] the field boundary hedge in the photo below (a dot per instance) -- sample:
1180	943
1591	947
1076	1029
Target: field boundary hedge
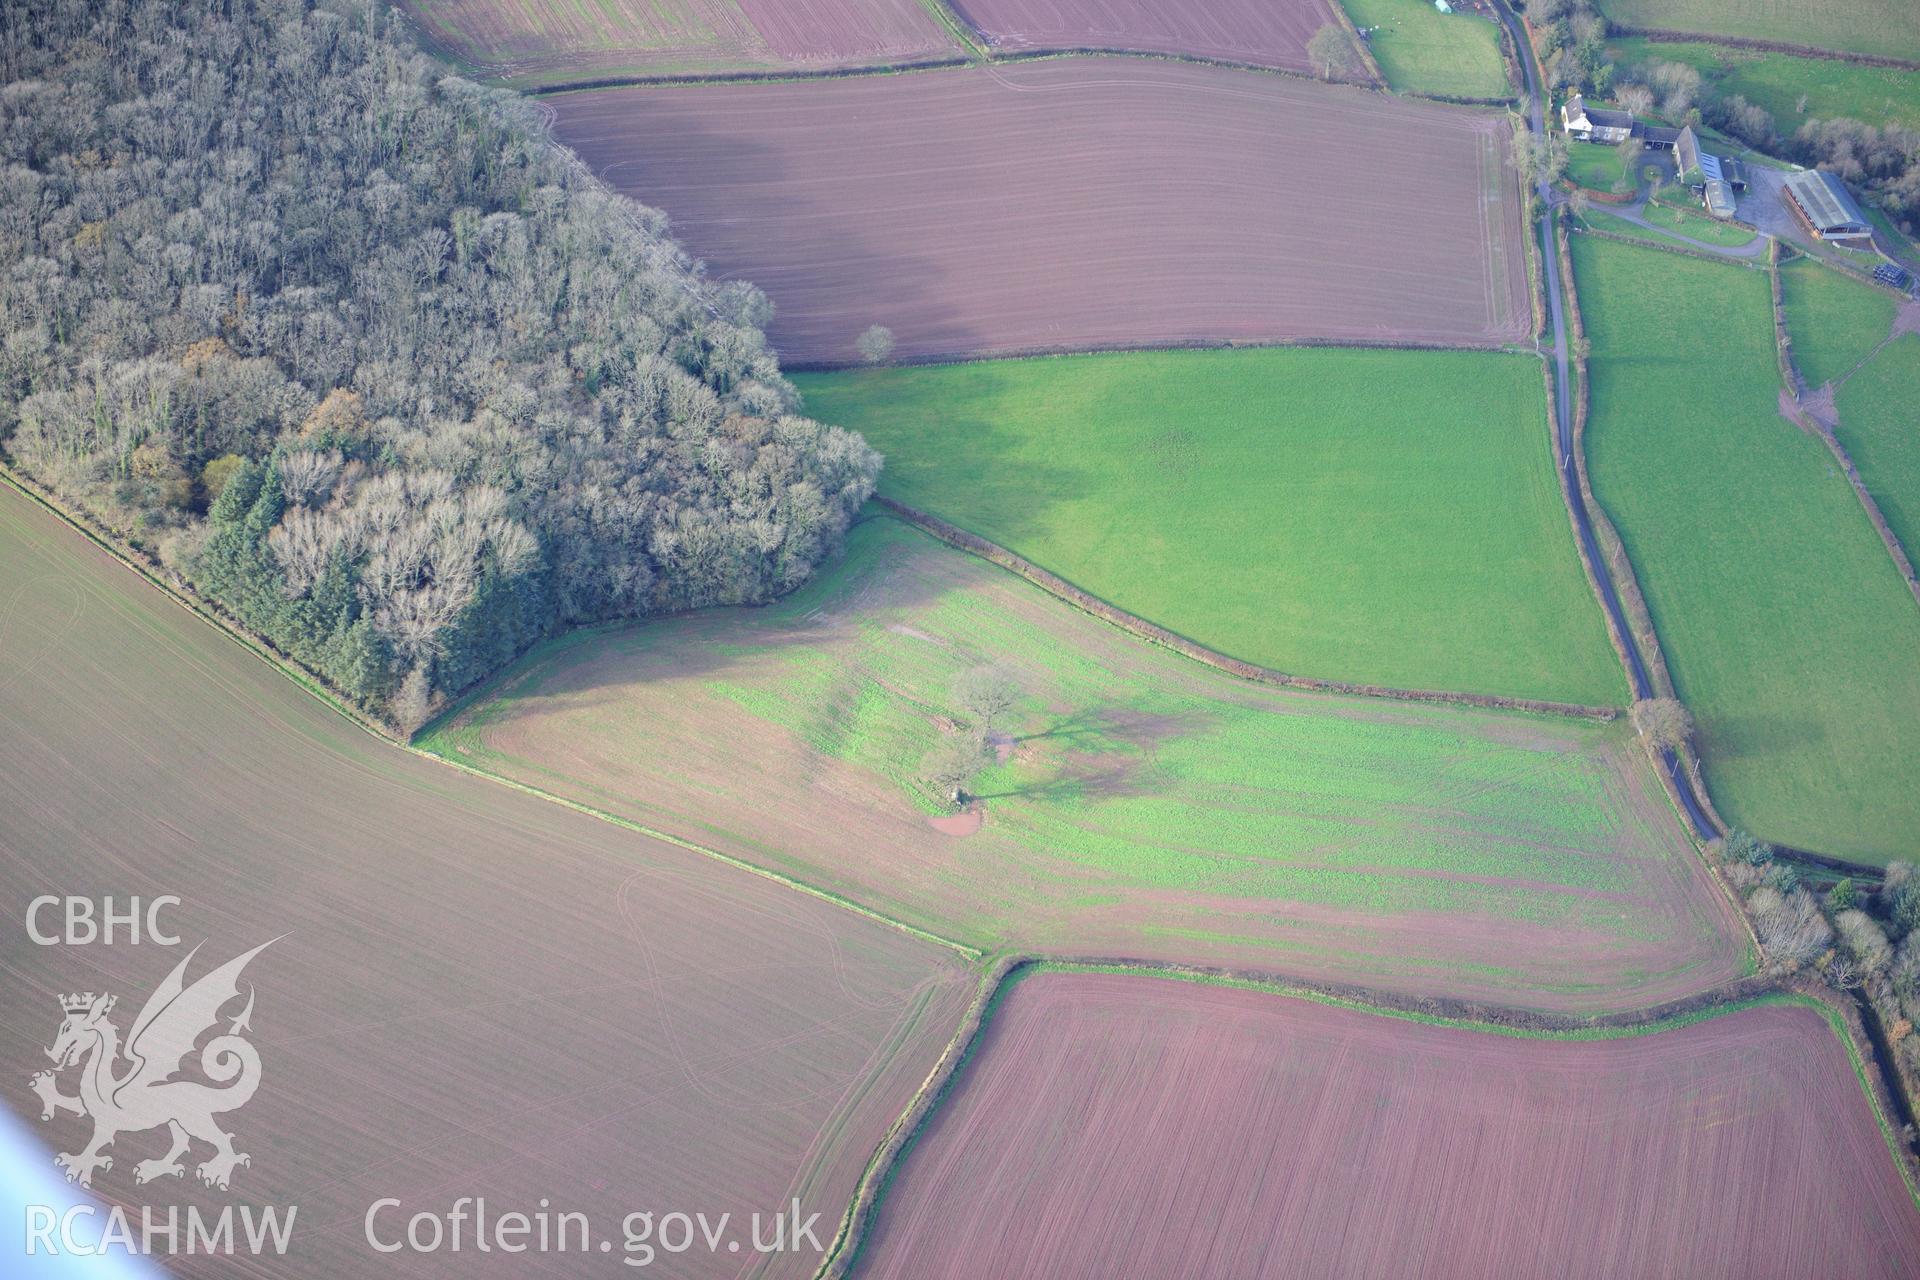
1613	548
944	62
149	568
1796	387
1128	348
890	1156
1365	50
1684	250
1660	35
1055	585
1630	596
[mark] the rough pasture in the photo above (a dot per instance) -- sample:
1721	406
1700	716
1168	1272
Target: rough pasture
1088	202
1145	805
1126	1125
553	41
478	993
1262	32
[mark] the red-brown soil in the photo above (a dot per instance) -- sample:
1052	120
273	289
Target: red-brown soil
1271	33
1120	1125
545	41
964	823
1088	202
478	993
840	32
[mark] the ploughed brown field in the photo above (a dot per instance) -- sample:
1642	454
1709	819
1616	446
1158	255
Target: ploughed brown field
555	41
1086	202
477	993
1123	1125
1272	33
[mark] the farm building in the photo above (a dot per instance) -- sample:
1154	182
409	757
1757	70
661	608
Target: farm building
1823	204
1595	124
1656	137
1715	179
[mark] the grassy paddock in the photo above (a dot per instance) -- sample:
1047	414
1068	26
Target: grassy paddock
1598	167
1600	220
1885	27
1144	805
1839	325
1386	517
1684	221
1785	625
1422	50
1778	81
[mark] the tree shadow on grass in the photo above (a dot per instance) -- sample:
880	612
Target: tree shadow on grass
1109	752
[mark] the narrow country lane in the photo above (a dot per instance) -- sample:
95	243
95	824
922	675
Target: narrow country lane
1563	443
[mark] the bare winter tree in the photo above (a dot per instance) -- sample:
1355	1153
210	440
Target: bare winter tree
1635	98
985	694
952	764
1663	723
386	372
875	344
1789	925
1538	157
1332	53
1631	152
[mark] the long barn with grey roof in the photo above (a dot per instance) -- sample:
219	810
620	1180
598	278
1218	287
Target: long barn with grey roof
1823	203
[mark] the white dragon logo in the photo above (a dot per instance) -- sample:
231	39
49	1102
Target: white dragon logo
146	1095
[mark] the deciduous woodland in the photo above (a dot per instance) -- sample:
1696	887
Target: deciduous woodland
366	358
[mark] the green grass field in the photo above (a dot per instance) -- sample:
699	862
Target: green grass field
1145	805
1777	82
1840	328
1835	321
1884	27
1788	631
1597	167
1600	220
1697	226
1422	50
1384	517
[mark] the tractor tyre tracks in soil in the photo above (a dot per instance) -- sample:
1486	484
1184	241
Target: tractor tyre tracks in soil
1854	1027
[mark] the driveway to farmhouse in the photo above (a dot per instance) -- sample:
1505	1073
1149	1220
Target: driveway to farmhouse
1636	213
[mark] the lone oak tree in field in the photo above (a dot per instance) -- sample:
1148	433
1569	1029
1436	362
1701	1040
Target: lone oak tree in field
985	694
953	762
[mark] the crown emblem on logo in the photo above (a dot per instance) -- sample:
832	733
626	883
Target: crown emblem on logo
77	1003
